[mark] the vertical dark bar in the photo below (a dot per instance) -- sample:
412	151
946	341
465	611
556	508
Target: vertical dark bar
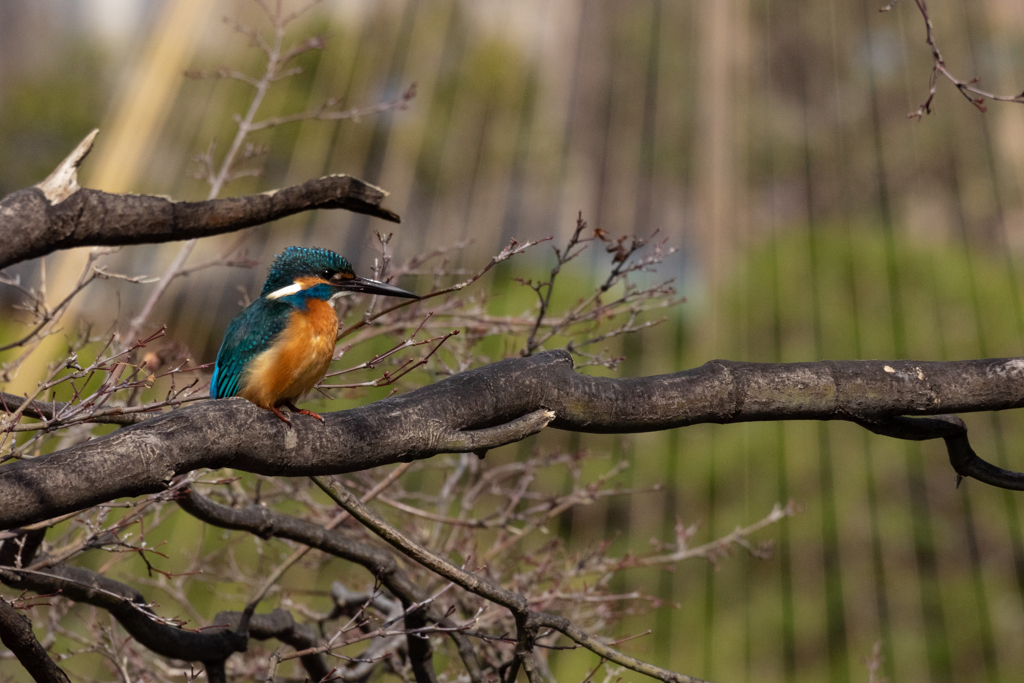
936	638
788	623
835	609
424	192
382	125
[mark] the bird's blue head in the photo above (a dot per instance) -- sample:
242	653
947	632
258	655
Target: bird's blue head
302	273
304	263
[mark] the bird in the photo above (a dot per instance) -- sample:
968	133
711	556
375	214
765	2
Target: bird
281	344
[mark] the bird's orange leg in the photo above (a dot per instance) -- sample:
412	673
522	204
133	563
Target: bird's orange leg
284	418
301	411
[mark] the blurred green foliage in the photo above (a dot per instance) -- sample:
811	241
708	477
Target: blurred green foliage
45	113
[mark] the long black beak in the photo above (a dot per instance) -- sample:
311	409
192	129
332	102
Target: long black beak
367	286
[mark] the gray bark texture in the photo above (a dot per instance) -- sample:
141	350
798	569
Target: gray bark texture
32	225
498	404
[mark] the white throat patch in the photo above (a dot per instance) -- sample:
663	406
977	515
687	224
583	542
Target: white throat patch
337	295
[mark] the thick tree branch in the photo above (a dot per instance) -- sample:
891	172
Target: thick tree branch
58	214
488	407
279	625
16	634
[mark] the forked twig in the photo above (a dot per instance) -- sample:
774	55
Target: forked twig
968	89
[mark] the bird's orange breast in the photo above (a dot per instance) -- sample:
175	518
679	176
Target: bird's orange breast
296	361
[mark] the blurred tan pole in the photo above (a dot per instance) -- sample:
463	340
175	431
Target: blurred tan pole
716	152
123	147
145	103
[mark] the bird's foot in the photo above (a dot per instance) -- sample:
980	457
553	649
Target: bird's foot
284	418
310	413
302	411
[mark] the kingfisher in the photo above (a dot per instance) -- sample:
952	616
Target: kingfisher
281	344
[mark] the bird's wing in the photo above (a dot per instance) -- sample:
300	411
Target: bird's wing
251	333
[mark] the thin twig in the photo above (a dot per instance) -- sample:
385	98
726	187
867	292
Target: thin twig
968	89
276	575
483	587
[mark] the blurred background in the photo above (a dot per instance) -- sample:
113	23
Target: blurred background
767	139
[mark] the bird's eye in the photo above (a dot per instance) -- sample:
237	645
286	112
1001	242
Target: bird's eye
325	274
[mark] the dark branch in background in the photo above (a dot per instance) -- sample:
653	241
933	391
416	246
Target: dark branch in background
16	635
527	620
266	523
953	431
129	607
58	214
278	625
968	89
494	405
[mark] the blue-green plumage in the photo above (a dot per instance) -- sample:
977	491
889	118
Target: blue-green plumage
251	333
274	350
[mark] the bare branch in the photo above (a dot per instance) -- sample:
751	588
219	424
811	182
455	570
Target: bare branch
16	634
968	89
514	248
458	414
381	564
681	552
164	636
130	608
32	226
326	111
526	619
